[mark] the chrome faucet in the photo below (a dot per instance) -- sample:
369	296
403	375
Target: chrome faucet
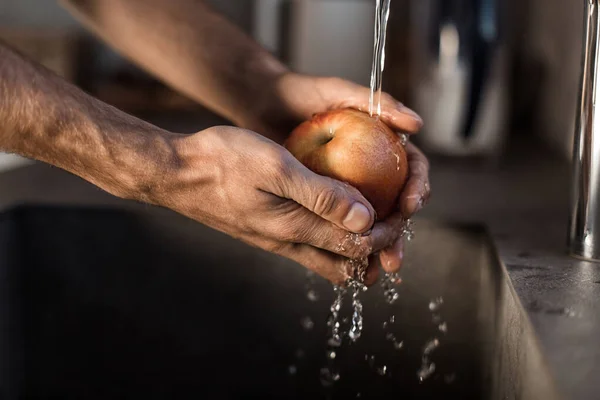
584	220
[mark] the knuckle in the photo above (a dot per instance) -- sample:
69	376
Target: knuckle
277	159
280	166
326	201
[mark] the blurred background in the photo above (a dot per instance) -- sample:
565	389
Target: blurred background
479	78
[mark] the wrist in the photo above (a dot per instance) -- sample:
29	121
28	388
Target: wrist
142	169
275	111
119	153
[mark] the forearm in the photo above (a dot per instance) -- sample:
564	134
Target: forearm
47	119
191	48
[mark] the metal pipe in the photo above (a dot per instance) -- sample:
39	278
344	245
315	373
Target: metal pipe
584	221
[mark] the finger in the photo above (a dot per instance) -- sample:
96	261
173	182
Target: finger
391	258
328	198
336	269
385	233
330	266
296	224
399	117
395	114
417	190
372	271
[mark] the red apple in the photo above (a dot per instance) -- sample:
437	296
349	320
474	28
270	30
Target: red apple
353	147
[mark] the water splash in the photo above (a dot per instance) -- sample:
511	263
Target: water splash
335	337
427	367
329	374
408	230
357	312
387	284
356	267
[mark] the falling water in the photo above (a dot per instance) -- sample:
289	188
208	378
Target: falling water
382	13
427	367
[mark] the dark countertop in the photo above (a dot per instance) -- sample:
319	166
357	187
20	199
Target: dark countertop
522	200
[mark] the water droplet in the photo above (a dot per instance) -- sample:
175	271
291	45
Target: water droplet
299	353
358	395
312	295
397	162
430	346
404	139
292	370
395	342
307	323
443	327
435	304
331	355
437	319
387	284
328	377
385	324
392	319
357	313
426	371
335	338
382	370
407	230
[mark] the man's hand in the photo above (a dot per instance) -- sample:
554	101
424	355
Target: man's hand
247	186
300	96
201	54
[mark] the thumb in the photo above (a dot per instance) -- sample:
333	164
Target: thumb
332	200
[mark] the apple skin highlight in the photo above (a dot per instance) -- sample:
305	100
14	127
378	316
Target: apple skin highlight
353	147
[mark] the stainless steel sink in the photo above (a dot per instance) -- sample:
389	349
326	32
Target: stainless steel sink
107	304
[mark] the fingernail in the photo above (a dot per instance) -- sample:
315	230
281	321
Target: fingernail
358	218
367	233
